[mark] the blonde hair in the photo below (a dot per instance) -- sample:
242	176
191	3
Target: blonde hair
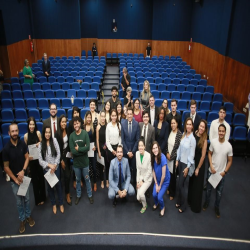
143	91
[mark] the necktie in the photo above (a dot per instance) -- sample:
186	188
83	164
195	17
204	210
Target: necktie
120	176
145	127
54	128
130	129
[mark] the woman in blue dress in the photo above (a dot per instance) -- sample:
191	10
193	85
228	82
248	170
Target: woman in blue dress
161	176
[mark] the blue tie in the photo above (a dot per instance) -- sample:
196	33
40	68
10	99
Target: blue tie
120	176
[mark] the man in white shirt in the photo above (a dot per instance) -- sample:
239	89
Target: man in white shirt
213	132
220	158
53	120
153	110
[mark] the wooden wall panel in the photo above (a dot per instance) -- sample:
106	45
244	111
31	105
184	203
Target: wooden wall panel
4	61
17	53
87	43
57	47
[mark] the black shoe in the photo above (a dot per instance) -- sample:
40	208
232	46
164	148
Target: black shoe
114	202
205	206
77	200
91	200
217	212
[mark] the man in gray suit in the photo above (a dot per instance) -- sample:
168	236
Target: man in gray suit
119	177
147	131
53	120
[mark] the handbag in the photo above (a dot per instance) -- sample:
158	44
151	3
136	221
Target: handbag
191	170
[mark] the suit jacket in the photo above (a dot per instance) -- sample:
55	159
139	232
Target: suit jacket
144	168
157	110
61	143
162	139
130	143
196	120
47	122
46	67
114	174
150	136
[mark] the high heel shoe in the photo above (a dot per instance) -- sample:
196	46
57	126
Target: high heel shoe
95	187
54	209
68	199
62	209
107	184
102	184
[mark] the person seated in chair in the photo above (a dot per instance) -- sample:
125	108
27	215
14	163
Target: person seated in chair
119	177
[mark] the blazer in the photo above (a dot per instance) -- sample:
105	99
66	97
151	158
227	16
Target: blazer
157	110
46	67
60	142
130	143
176	145
196	120
114	174
47	122
150	136
162	139
144	168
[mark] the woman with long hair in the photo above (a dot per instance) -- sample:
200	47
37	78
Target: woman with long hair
173	144
137	110
33	136
89	127
184	160
165	106
196	182
107	111
94	114
161	176
145	94
120	113
101	146
49	159
144	174
62	136
113	135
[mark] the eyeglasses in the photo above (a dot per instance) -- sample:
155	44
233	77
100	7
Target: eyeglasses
52	109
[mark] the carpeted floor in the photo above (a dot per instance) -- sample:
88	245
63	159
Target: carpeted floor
102	217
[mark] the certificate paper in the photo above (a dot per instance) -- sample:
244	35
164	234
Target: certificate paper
51	178
91	152
33	151
101	161
69	155
22	190
170	166
215	179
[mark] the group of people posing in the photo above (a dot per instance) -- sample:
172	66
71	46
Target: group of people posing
140	144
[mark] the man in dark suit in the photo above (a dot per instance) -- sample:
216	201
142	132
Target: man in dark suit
130	133
195	117
172	114
152	110
147	131
53	120
46	65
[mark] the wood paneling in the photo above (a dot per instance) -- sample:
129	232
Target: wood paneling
18	52
87	43
58	47
4	61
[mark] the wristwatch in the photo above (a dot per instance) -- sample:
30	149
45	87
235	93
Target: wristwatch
24	170
225	172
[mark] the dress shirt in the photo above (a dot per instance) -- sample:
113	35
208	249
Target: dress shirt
52	125
142	132
186	150
193	118
214	133
152	115
112	135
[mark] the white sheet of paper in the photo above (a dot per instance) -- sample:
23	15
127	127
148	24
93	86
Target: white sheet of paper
101	161
33	151
215	179
69	155
22	190
170	166
51	178
91	152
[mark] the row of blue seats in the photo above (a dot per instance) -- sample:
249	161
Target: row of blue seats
71	58
160	70
38	94
161	64
141	55
44	103
54	86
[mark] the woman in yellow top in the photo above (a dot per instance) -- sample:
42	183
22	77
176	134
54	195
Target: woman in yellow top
27	73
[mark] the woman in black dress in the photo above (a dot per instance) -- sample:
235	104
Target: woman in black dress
62	136
196	182
101	147
37	176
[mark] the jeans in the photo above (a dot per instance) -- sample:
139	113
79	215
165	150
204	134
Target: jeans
82	172
219	190
22	202
58	187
